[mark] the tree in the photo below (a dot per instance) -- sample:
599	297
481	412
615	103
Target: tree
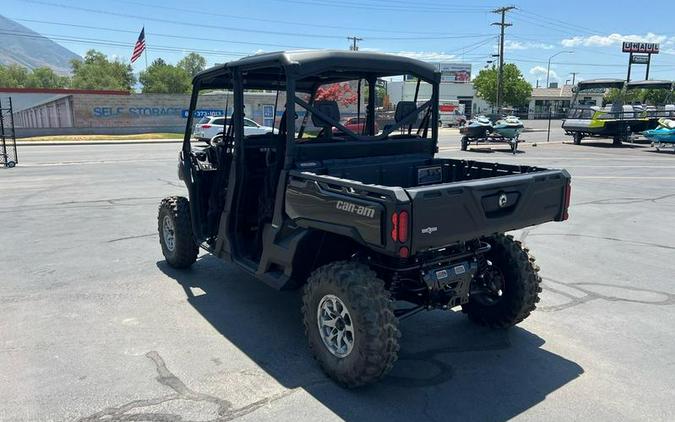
163	78
45	77
13	76
516	89
192	64
643	96
342	93
380	94
97	72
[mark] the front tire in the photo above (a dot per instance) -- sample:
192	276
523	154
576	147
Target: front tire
510	286
175	232
350	324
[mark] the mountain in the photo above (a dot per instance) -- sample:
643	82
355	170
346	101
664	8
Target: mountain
26	47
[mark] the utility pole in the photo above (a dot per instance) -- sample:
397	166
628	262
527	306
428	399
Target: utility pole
355	40
574	77
502	25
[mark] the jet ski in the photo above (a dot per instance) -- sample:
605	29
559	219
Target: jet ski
477	127
663	136
509	127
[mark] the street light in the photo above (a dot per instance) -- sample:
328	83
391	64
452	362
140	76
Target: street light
548	68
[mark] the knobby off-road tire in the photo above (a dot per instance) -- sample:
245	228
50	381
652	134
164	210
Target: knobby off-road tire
520	291
370	316
175	232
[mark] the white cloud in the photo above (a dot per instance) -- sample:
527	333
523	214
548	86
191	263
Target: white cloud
541	71
614	39
431	56
517	45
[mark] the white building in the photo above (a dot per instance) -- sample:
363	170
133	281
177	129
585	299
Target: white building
556	101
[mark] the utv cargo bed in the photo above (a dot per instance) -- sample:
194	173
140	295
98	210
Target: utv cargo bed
447	201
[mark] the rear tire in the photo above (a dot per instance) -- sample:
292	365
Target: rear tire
465	144
175	232
519	291
350	324
576	138
10	164
616	141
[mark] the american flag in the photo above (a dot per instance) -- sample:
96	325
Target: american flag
139	47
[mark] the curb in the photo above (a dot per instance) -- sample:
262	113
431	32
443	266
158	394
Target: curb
130	142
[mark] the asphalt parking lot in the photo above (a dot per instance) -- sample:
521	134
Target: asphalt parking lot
95	326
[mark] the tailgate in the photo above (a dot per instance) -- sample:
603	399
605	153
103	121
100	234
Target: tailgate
460	211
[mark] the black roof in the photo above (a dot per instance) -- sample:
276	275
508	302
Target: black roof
601	83
649	85
315	66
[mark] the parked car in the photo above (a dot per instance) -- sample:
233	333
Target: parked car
210	126
355	124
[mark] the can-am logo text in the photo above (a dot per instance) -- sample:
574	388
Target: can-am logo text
355	209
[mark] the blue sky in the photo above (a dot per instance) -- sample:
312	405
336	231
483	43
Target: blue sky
432	30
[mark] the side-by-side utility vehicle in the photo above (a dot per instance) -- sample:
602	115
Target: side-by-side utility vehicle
371	223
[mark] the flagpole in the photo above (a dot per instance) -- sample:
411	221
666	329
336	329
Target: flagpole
145	50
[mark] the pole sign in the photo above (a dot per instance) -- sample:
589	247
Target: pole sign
639	58
640	47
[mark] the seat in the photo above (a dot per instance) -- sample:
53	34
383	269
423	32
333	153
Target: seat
331	110
403	109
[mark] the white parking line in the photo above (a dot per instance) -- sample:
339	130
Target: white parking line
626	177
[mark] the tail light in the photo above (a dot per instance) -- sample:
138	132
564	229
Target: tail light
399	226
566	201
403	226
394	227
206	126
404	252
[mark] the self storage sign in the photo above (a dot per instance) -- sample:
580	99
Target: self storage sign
640	47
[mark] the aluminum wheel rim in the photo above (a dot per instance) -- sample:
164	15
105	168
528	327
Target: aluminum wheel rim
336	327
168	233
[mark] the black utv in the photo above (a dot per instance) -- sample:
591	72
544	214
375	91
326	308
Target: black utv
368	221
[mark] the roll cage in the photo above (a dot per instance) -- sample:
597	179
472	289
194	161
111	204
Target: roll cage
304	72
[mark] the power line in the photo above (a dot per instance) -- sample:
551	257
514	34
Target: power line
395	8
557	21
97	41
158	34
155	47
225	28
278	21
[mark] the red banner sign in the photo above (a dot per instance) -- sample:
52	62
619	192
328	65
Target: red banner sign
640	47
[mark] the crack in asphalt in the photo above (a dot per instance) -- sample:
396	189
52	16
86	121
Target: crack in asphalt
613	239
590	295
624	200
95	203
136	410
119	239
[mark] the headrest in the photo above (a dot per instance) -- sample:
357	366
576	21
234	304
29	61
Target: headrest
330	109
403	108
